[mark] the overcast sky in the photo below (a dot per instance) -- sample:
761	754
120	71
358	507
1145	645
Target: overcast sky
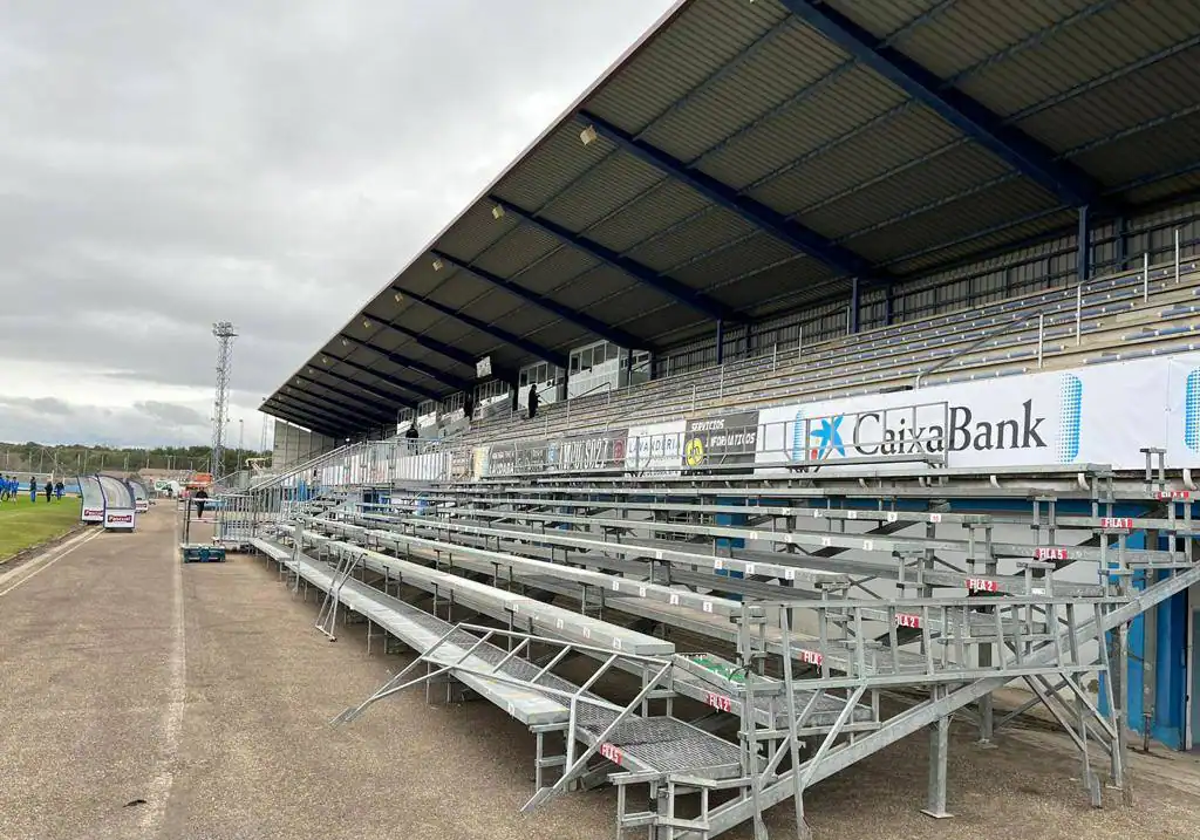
164	165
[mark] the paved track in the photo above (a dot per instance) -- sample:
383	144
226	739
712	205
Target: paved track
204	691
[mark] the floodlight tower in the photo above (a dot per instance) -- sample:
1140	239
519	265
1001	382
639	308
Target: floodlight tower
225	334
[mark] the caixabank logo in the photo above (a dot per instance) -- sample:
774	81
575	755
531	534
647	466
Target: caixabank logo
984	426
1191	410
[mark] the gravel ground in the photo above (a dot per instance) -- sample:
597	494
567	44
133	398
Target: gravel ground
217	718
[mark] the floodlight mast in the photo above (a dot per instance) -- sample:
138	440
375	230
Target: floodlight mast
225	334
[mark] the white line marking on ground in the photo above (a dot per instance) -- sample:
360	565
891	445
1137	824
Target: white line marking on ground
46	561
159	792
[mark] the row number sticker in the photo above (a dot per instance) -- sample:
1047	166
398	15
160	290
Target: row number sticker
641	592
868	545
893	516
1115	522
935	518
909	620
827	541
616	644
587	632
1172	494
811	657
718	564
982	585
612	754
616	587
1048	553
718	701
707	606
852	514
674	600
558	624
750	569
789	574
657	554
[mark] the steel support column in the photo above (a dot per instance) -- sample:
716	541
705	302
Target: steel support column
889	307
1083	256
720	342
855	305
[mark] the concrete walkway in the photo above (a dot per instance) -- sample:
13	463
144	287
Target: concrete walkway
201	693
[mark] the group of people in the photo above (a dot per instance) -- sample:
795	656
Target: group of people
10	488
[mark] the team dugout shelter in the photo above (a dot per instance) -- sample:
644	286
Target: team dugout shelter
754	170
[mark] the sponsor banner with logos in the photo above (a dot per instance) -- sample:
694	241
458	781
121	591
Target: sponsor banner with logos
656	447
721	439
120	520
523	456
1100	415
583	453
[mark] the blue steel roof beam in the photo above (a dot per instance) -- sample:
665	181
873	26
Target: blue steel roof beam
367	404
581	319
292	415
400	384
309	421
668	286
429	343
433	373
794	234
1024	154
498	333
388	399
317	409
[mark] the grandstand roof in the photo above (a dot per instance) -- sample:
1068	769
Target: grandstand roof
748	157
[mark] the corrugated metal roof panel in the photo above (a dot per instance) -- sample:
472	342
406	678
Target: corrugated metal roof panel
556	268
474	233
1162	189
670	203
913	132
788	63
980	211
705	36
1097	45
524	244
791	281
882	19
587	289
1000	236
751	254
656	323
695	236
1161	89
1169	147
559	161
850	100
960	169
968	32
621	179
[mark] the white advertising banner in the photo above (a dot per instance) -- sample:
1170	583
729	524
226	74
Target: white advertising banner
1101	415
656	447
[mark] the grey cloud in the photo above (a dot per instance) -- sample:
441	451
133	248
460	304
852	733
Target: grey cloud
269	162
148	424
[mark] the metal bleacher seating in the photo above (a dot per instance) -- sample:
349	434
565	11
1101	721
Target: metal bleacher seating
760	631
996	339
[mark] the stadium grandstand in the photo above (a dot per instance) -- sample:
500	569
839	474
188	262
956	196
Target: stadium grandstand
864	336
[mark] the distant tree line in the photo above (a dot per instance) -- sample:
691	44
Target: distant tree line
74	459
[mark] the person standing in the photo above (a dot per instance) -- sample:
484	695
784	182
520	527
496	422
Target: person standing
59	489
49	490
32	489
533	401
200	496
